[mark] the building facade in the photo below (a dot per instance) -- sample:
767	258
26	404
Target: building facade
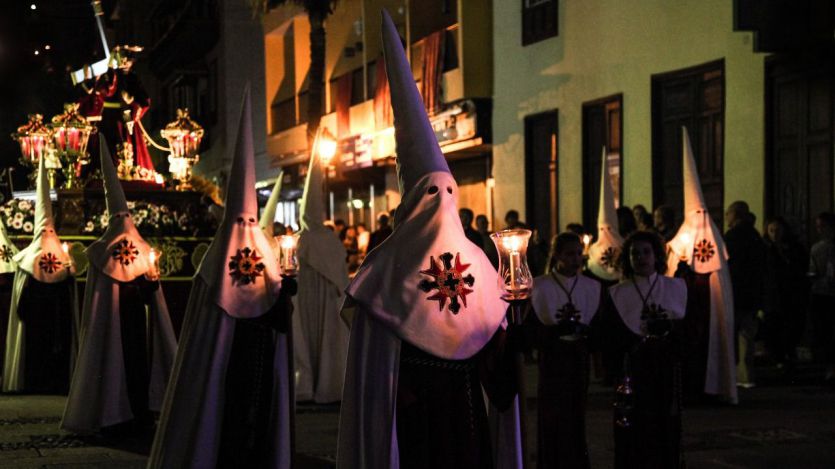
574	76
448	43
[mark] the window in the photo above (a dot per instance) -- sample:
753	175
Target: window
450	50
693	98
539	20
602	126
283	115
371	90
357	89
541	187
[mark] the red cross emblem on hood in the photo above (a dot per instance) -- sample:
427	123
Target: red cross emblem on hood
449	280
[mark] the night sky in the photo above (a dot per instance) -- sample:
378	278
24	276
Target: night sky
40	83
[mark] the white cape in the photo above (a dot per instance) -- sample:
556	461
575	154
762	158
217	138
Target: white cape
192	412
98	392
320	336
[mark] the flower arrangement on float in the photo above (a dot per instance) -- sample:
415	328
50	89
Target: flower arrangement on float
149	218
18	216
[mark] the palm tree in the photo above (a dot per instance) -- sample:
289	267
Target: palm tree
317	12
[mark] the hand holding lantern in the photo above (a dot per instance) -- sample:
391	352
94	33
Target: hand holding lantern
287	260
515	278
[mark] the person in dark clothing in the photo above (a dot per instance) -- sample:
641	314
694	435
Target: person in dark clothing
482	226
466	215
639	211
381	233
785	293
626	221
822	301
512	221
639	330
564	304
665	222
746	260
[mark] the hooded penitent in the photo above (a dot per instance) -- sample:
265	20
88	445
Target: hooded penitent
235	288
108	386
426	284
44	259
43	265
7	252
699	243
603	254
320	336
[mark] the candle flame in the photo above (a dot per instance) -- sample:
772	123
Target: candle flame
288	242
152	255
586	239
65	247
511	243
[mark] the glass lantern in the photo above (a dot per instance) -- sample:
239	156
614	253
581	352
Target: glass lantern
287	259
70	133
34	139
184	137
515	277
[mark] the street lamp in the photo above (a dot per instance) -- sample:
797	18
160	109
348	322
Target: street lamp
326	149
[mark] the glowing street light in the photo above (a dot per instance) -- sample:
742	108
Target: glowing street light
327	147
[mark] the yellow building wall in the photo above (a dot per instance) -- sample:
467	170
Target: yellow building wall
606	47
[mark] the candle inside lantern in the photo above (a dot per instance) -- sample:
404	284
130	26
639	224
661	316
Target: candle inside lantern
515	278
66	248
287	258
686	241
511	243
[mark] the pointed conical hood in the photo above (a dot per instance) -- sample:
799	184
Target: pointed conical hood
44	259
267	220
418	153
400	282
313	200
240	190
603	254
113	192
43	204
694	199
7	252
240	265
120	252
698	242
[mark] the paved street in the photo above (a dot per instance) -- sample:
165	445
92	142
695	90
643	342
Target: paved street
777	425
